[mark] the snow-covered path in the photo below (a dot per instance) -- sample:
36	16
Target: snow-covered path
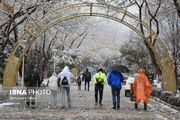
83	108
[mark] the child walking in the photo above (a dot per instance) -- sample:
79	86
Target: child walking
79	80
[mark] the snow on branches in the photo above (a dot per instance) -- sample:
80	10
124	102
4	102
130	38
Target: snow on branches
71	58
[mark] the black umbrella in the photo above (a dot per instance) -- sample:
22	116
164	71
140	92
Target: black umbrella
118	67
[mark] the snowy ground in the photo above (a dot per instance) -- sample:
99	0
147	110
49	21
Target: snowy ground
83	108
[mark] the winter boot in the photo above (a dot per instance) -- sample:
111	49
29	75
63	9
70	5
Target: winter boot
118	107
32	106
145	106
136	106
27	106
100	104
49	106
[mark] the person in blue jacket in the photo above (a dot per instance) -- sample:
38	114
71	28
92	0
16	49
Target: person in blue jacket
115	79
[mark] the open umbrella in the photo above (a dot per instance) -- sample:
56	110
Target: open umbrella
118	67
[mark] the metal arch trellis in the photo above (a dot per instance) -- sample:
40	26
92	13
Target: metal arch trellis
36	28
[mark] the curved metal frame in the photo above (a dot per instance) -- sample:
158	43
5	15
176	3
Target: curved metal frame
36	28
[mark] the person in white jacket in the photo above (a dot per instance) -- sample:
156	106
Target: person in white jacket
53	86
65	80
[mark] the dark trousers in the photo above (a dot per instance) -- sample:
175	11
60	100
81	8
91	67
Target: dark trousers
86	82
115	96
99	89
30	97
79	85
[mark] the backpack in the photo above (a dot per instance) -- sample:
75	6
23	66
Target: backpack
87	76
64	81
99	82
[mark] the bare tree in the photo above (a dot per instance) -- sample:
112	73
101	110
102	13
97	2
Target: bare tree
177	5
10	26
12	16
118	3
141	5
171	33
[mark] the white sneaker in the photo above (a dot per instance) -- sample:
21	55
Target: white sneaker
49	107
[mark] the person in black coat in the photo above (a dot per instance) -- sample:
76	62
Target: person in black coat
87	78
32	80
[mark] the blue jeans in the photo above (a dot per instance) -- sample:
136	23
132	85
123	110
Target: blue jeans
53	95
67	89
115	95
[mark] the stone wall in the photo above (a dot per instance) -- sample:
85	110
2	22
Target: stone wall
166	96
4	96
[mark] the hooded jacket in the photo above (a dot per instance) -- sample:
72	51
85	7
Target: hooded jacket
66	73
53	85
142	87
115	79
101	78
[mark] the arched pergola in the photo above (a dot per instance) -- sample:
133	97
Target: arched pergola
35	29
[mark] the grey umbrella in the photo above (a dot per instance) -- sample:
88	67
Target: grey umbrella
118	67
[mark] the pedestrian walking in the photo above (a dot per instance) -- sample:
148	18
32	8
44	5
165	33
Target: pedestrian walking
99	81
87	78
53	86
115	79
79	80
142	88
32	81
93	73
65	81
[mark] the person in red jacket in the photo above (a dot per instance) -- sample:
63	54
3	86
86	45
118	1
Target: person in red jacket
142	88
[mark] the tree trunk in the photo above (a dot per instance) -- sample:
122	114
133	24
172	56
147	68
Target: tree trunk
177	5
153	59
